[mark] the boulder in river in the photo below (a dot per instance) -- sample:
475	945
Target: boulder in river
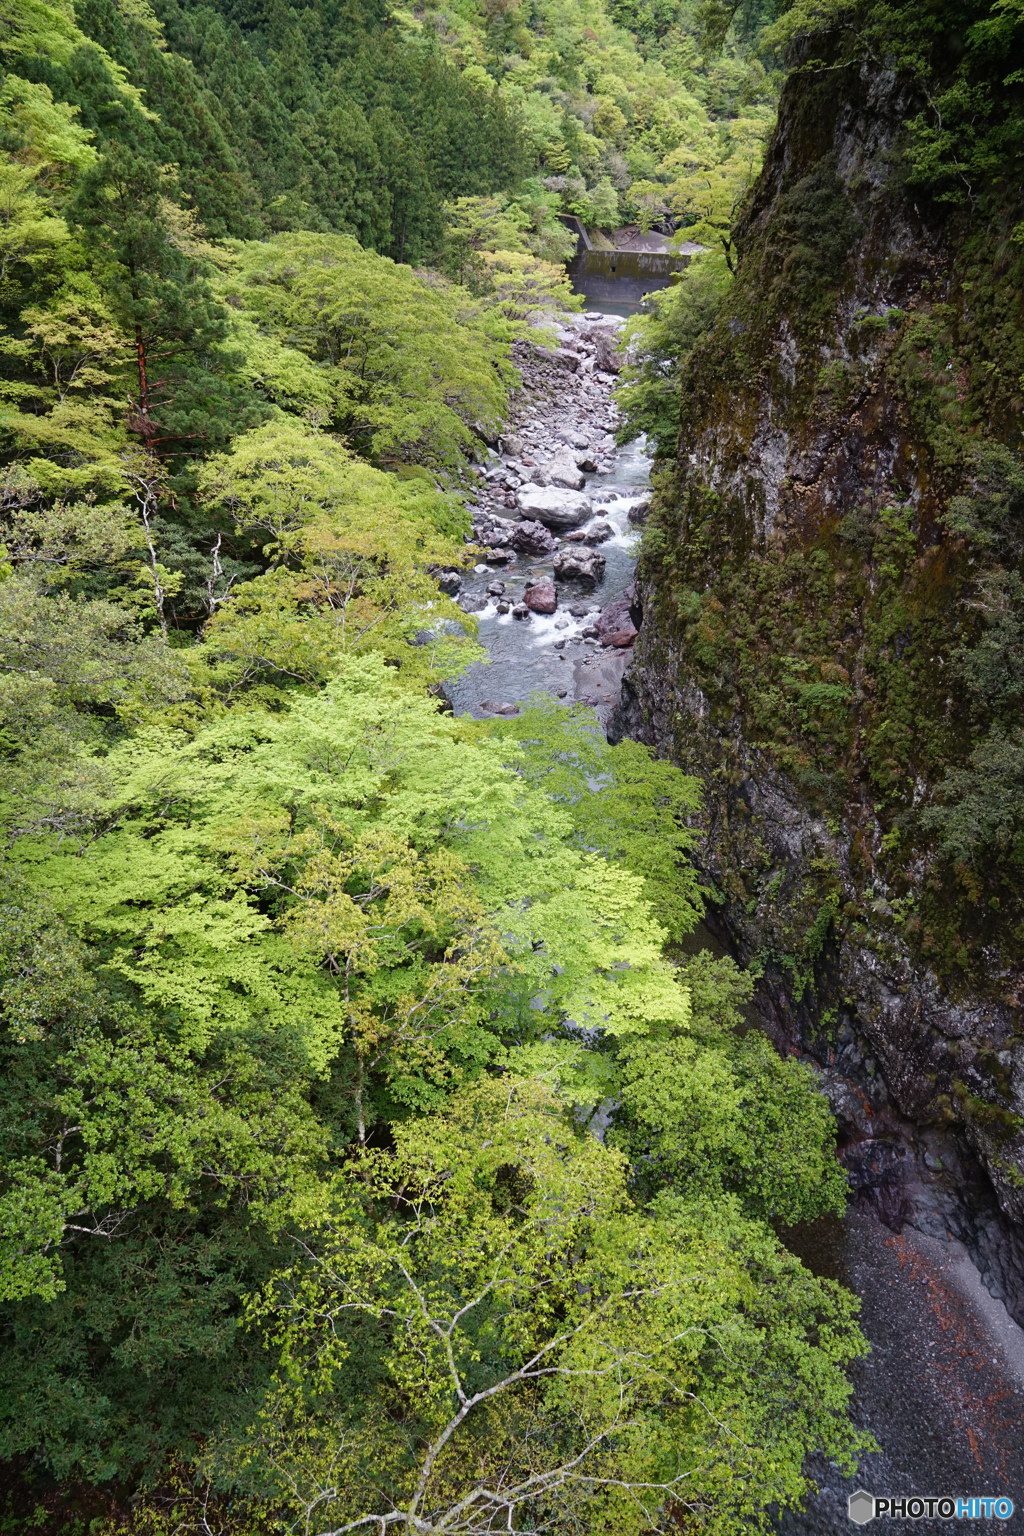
597	533
563	470
530	538
580	564
492	530
638	515
449	580
605	343
541	597
554	507
615	625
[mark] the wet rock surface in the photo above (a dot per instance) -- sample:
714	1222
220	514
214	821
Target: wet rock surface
541	597
555	507
583	565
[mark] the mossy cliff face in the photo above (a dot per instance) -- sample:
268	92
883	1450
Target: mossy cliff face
832	637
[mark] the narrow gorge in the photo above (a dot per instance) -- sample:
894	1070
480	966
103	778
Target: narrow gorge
511	766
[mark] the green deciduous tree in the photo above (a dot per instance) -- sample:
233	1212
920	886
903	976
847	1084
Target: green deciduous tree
487	1333
413	374
349	552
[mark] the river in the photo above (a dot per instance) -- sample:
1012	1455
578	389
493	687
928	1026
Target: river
943	1388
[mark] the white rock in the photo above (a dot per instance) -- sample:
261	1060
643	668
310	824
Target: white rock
562	470
554	507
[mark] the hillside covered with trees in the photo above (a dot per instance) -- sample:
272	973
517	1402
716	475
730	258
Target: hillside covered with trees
314	998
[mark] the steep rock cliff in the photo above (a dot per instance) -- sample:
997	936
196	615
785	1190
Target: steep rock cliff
833	613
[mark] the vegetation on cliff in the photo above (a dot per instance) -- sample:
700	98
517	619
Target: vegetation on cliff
853	594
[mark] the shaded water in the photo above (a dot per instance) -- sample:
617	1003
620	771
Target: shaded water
616	282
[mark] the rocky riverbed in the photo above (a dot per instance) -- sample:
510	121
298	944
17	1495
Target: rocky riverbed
555	514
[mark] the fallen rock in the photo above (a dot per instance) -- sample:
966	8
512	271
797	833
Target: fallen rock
615	625
561	470
639	514
580	564
541	597
450	581
496	532
530	538
520	611
597	533
605	343
553	507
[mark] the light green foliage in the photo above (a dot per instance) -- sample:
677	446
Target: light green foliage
343	871
311	996
608	95
487	249
102	1113
411	372
706	190
141	1188
59	362
489	1287
76	669
477	224
713	1115
348	551
623	801
521	287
